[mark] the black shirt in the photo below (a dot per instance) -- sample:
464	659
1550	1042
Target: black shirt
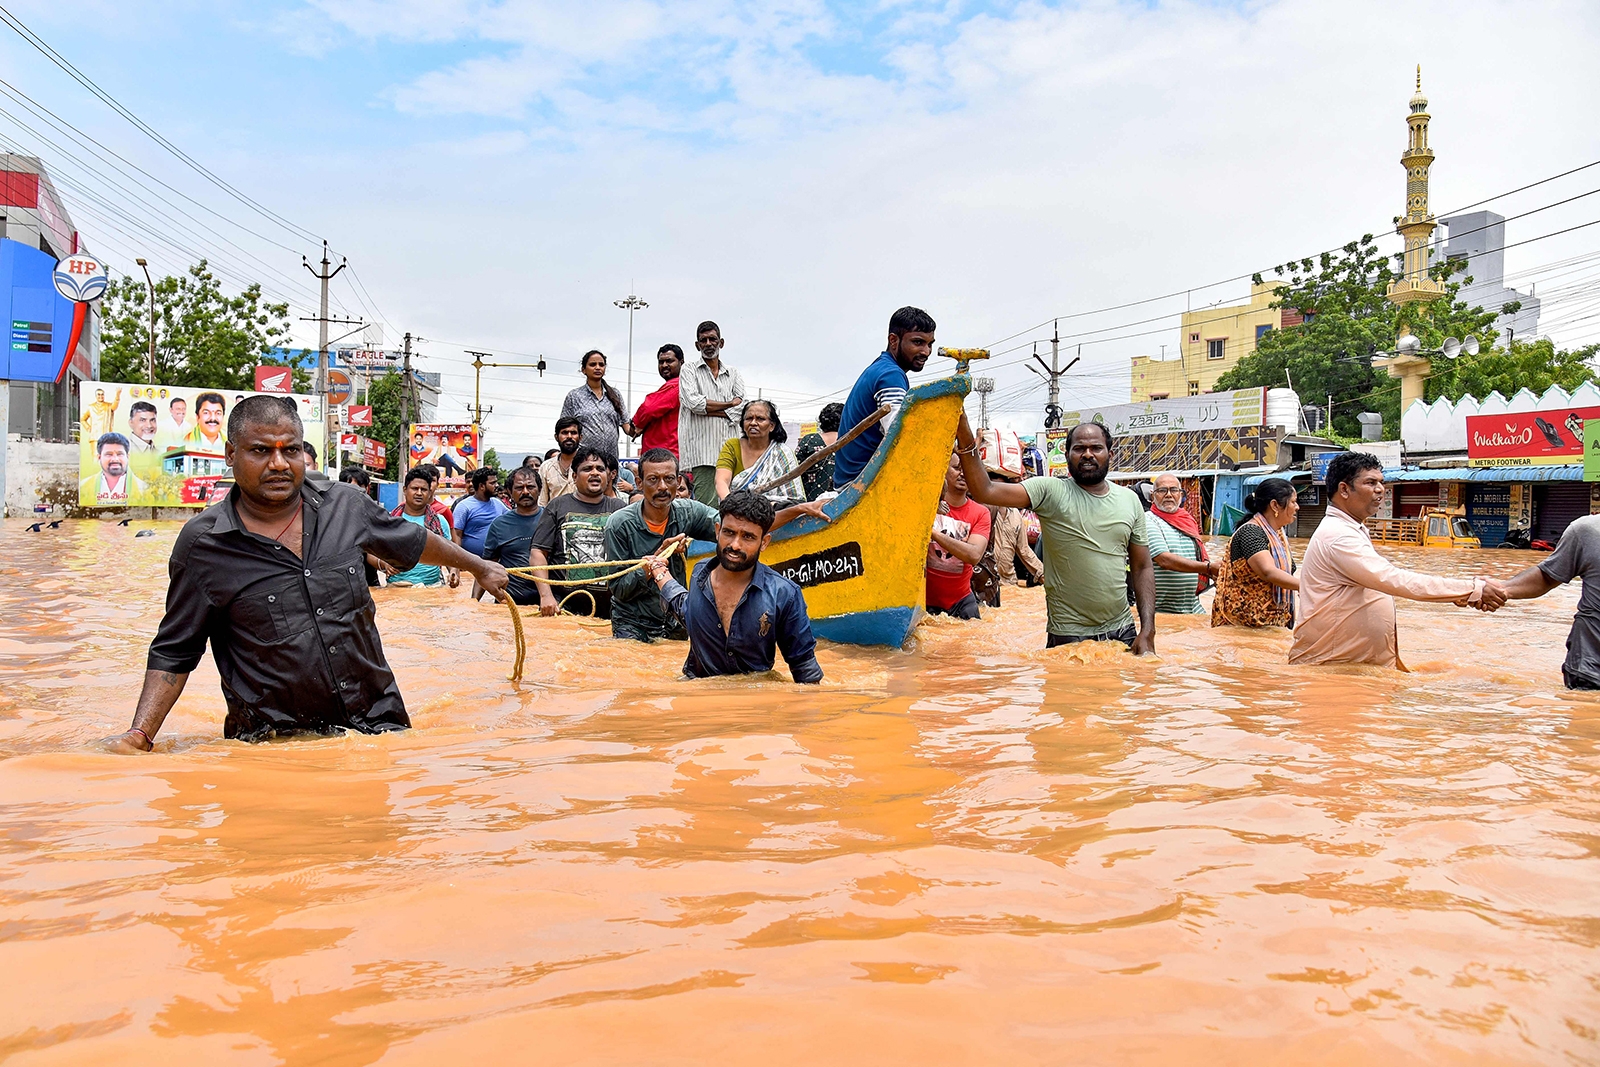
295	640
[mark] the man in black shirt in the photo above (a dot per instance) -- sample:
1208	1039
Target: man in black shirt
271	576
572	529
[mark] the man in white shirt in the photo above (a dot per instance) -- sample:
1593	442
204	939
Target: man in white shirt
711	395
113	485
175	427
555	474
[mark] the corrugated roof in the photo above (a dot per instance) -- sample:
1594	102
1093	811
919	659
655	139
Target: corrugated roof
1195	472
1559	472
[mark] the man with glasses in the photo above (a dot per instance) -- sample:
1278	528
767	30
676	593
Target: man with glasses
1183	569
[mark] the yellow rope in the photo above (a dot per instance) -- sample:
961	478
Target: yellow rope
536	572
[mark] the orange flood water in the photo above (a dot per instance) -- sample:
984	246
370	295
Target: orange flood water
974	851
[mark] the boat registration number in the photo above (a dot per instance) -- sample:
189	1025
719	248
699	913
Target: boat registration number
819	568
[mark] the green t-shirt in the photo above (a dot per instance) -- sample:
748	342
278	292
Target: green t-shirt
1175	590
1084	545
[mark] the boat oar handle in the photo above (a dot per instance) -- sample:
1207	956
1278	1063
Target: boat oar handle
816	457
963	355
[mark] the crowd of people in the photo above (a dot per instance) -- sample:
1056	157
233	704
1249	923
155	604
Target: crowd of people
278	554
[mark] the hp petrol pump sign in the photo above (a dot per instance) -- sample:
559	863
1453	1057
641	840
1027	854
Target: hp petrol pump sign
81	278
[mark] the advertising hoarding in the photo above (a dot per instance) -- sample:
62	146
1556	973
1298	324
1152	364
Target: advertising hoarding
274	379
161	445
1527	438
1237	409
453	447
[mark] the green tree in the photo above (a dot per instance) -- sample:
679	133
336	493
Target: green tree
204	337
384	396
1348	318
1535	365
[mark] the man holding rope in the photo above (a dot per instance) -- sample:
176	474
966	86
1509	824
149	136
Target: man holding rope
572	530
271	576
644	527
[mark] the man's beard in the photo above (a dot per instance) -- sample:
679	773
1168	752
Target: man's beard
743	565
568	447
1090	478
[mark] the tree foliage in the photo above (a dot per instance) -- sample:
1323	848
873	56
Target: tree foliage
1349	319
384	395
1535	365
204	338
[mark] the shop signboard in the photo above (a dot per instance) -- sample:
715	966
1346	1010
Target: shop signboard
452	447
338	386
374	454
1591	450
1239	408
358	414
1528	438
162	446
274	379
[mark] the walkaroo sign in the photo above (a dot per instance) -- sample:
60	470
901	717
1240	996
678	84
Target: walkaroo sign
1527	438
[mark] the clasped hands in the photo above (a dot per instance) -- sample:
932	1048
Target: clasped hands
1493	598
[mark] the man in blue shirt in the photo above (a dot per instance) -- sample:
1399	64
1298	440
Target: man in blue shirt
741	611
474	513
883	383
511	535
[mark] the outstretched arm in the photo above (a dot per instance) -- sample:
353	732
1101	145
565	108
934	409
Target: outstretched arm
979	487
438	552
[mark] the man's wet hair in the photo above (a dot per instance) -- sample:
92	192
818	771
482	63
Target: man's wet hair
1105	431
1348	466
419	471
110	439
260	410
828	420
586	452
674	349
355	476
567	420
428	471
216	398
707	327
911	320
658	455
521	474
478	475
751	507
141	405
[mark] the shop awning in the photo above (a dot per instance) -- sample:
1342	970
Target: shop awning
1196	472
1559	472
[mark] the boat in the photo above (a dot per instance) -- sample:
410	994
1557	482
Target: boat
863	573
1434	528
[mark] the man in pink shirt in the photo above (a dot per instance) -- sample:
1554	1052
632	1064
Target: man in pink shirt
1347	590
657	418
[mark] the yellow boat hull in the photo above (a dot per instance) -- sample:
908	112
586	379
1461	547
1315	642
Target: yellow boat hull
863	574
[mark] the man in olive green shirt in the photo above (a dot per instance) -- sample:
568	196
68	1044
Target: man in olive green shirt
1092	531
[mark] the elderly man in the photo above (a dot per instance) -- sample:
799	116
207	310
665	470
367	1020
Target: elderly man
1347	590
1183	569
270	576
712	396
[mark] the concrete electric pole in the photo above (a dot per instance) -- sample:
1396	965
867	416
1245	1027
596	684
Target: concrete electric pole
630	304
405	414
324	276
1053	373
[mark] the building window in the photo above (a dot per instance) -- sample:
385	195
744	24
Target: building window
1194	338
1216	348
1159	396
1262	331
1194	388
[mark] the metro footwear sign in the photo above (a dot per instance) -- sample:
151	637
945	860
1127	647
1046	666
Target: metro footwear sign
274	379
1527	438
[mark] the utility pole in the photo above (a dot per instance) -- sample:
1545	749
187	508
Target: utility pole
1052	411
404	443
477	407
630	304
325	276
150	369
983	387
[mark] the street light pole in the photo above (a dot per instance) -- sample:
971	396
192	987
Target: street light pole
630	304
151	369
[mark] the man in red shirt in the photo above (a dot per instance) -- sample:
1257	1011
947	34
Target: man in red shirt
657	418
960	534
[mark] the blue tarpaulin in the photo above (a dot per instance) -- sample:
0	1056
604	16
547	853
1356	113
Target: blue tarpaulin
1557	472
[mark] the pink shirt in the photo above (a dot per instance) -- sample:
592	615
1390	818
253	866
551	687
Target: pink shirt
1347	596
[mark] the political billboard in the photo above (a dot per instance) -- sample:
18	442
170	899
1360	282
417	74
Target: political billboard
162	445
1527	438
453	447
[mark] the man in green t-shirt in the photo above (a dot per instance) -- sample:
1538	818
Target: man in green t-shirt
1092	531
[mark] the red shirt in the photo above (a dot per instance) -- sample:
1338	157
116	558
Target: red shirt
950	579
657	417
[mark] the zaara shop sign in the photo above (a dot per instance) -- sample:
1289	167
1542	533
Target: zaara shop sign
1527	438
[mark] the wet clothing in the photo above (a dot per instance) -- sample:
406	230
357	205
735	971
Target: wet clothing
572	531
818	478
771	616
1243	597
1347	596
636	610
599	417
1085	543
1175	590
701	436
1008	541
965	608
1578	556
883	382
1126	635
507	542
657	419
949	578
434	522
473	516
295	640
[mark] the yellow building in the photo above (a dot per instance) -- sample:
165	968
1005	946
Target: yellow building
1211	342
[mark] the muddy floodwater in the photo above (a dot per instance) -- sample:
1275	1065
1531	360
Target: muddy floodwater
973	851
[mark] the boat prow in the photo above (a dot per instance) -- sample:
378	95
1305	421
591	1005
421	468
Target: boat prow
863	574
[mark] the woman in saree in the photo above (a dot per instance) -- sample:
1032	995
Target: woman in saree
759	456
1257	583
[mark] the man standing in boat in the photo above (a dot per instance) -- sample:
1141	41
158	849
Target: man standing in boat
1092	531
883	383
